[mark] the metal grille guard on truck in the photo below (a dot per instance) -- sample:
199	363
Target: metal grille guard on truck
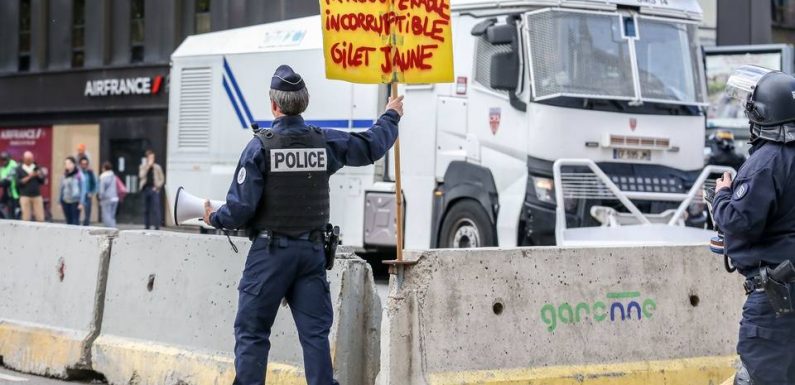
634	227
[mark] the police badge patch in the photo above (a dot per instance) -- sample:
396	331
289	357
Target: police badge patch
241	175
740	192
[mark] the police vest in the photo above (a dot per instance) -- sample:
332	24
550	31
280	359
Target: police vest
295	198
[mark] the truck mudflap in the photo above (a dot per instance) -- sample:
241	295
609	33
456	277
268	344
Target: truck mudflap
583	179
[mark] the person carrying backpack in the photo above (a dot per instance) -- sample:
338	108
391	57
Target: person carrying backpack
72	194
108	195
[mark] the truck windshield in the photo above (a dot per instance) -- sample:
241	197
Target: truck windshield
591	55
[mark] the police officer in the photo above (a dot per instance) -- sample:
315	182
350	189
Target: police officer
280	193
756	213
721	150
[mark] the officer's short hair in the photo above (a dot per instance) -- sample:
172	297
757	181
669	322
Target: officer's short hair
291	102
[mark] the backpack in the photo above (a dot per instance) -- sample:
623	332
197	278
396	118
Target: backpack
121	189
71	189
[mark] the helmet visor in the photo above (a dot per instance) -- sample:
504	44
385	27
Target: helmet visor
743	80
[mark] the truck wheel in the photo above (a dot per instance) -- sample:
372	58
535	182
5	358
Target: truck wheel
467	225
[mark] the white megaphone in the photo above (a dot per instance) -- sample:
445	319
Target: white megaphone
188	206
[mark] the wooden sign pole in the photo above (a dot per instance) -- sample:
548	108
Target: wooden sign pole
396	265
398	188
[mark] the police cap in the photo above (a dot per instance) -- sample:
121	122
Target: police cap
285	79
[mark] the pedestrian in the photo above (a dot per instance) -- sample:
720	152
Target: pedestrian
30	178
71	193
151	182
8	168
90	187
108	195
284	206
82	153
755	213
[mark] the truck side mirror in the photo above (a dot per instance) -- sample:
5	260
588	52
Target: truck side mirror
504	66
504	71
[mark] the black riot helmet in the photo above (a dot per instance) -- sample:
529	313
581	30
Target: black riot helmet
769	101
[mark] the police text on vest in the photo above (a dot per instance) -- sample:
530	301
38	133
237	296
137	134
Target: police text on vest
298	159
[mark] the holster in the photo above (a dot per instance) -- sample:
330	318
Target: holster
779	295
331	238
777	284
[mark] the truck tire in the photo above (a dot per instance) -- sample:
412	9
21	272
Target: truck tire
467	225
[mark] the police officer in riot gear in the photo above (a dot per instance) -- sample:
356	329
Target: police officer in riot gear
280	194
721	150
756	213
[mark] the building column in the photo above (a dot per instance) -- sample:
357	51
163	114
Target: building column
97	33
743	22
9	35
162	23
120	43
39	27
59	47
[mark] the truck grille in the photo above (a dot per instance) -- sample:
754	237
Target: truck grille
648	184
625	141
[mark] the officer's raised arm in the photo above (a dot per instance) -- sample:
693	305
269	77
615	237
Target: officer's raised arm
364	148
245	191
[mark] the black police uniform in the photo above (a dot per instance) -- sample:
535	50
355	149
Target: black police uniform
281	191
757	217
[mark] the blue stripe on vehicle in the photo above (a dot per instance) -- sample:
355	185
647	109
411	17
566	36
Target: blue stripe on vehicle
232	79
327	123
234	103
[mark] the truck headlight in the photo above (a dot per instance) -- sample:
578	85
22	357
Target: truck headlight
545	189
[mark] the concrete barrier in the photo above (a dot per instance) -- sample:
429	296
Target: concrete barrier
51	295
170	307
645	315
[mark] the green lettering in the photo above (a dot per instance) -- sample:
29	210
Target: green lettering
648	306
549	316
581	307
599	311
566	314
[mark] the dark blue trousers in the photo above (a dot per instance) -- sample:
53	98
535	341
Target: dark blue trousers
767	343
283	268
151	208
87	211
71	213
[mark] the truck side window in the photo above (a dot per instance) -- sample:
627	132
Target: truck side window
484	54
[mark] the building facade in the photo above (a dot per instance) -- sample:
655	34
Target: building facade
745	22
95	72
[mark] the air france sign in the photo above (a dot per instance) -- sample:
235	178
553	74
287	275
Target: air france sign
124	86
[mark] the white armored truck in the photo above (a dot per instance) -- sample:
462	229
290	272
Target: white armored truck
570	122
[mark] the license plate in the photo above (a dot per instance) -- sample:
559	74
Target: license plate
626	154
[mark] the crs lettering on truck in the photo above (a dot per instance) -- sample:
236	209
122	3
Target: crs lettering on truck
298	159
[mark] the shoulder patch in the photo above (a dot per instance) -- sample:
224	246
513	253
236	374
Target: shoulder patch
241	175
740	191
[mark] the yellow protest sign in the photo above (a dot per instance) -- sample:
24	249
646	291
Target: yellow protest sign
381	41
